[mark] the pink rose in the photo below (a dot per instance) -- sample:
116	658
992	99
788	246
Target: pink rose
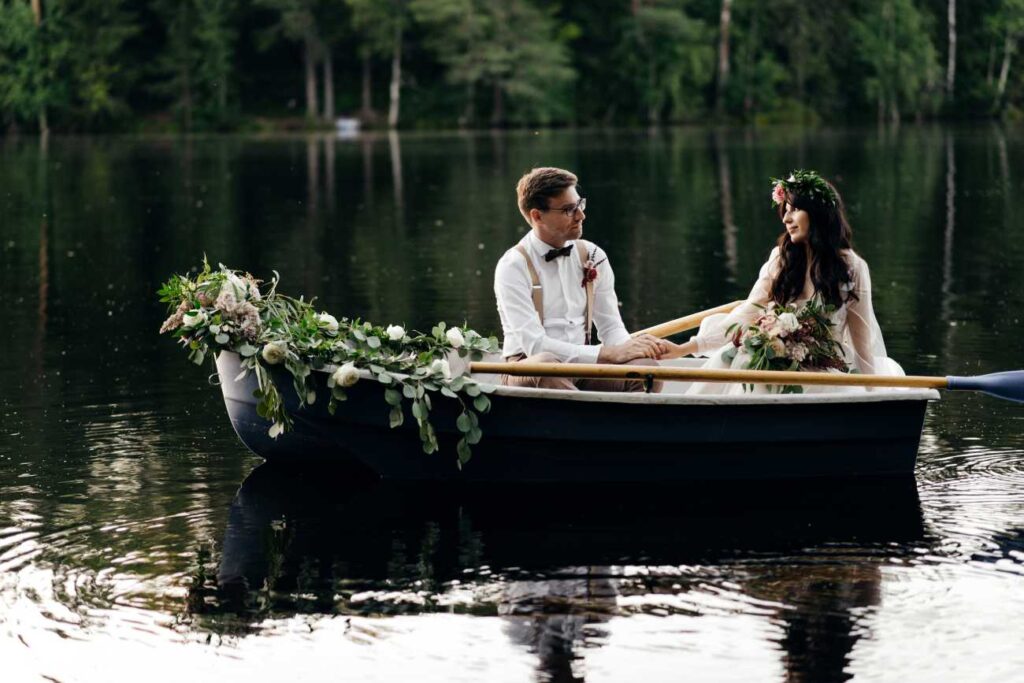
779	194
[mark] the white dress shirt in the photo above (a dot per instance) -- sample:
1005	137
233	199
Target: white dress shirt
565	304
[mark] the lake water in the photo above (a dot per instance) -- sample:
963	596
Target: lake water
140	541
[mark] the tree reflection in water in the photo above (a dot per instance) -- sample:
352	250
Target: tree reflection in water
557	562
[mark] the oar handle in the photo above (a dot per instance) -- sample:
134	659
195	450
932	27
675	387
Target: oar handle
602	371
687	322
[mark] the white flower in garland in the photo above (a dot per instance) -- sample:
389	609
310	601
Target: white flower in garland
276	430
395	332
328	322
194	318
441	366
455	337
346	375
275	352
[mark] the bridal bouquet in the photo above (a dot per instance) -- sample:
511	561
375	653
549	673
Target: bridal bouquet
228	310
789	338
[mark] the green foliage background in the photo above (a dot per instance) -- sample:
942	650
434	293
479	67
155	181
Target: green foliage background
167	65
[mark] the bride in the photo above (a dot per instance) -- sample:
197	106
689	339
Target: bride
813	258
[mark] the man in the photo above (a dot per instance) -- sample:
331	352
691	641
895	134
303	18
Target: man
551	286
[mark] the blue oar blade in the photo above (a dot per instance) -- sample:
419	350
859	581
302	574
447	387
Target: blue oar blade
1008	385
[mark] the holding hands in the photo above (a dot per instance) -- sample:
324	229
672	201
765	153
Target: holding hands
641	346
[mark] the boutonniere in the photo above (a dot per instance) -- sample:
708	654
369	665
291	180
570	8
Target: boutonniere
590	270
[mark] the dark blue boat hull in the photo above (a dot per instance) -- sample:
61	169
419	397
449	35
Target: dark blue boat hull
528	439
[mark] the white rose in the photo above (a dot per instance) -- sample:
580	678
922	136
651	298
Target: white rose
798	352
789	322
328	322
235	285
395	332
194	318
346	375
441	366
274	352
455	337
275	430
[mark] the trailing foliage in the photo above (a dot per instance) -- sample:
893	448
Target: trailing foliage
226	310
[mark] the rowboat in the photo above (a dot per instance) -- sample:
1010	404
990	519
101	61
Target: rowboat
543	435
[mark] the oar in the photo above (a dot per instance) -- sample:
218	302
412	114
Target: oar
1008	385
687	322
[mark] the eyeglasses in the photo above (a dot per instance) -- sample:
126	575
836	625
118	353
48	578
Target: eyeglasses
570	211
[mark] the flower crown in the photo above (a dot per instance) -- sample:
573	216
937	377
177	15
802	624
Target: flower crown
806	183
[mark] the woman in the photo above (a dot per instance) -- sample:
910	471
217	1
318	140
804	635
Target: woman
813	258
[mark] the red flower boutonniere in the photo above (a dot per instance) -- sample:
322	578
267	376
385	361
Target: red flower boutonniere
590	271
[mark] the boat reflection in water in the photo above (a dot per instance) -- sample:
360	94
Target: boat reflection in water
560	563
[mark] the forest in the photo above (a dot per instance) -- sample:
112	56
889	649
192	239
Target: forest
168	66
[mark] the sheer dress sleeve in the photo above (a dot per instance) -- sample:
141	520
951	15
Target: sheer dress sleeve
864	337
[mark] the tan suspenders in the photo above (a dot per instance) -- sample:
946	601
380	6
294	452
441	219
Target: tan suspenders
583	249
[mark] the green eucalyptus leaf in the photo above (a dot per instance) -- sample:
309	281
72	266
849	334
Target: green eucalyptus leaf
482	403
418	410
463	422
393	397
396	417
464	451
246	350
474	435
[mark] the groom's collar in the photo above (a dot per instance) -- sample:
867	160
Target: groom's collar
540	247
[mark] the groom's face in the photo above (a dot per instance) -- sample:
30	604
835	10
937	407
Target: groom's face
563	221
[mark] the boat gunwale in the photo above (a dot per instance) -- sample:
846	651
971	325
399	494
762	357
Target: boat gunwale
877	395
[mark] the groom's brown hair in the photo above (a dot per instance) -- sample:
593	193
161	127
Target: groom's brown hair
539	185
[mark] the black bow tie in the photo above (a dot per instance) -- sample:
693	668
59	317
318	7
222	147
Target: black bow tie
555	253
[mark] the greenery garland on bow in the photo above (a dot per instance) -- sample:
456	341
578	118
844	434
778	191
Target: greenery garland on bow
225	310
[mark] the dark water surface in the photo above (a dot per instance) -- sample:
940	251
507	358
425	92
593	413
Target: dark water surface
140	541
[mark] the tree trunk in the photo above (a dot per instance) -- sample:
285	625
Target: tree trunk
749	102
1004	71
309	62
723	55
469	112
328	86
989	73
186	98
366	112
951	60
37	12
498	108
396	78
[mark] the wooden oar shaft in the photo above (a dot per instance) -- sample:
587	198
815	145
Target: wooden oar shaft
601	371
687	322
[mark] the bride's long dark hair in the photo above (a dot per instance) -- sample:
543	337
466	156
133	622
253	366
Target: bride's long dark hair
829	234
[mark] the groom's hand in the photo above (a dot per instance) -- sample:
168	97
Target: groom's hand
642	346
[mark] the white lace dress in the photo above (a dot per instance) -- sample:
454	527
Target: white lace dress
855	328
